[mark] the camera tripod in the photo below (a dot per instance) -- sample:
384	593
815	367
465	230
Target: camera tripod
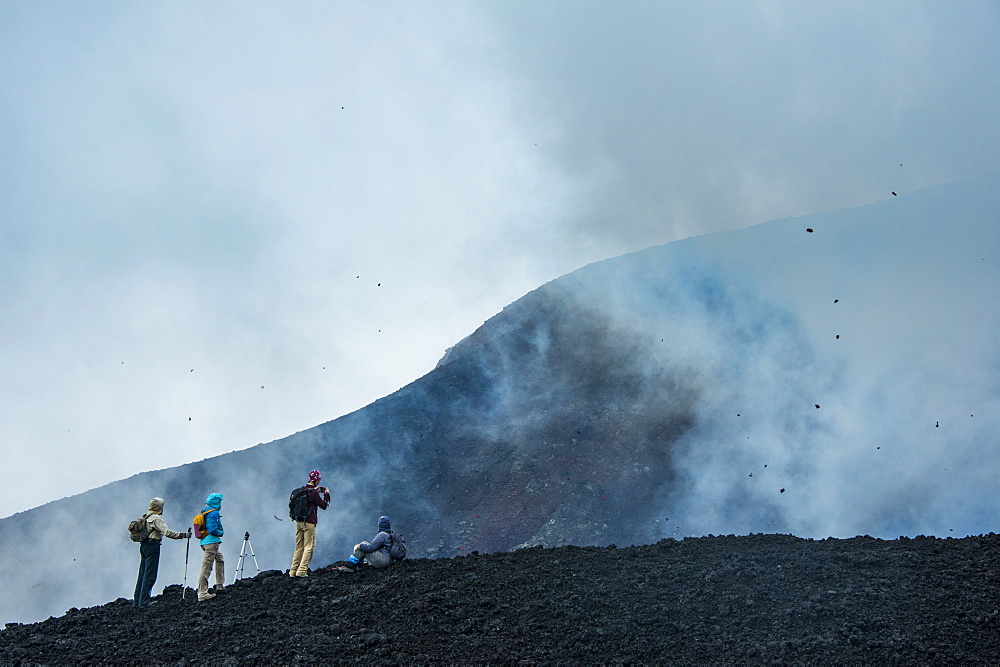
243	554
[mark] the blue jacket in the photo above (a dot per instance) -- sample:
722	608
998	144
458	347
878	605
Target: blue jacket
381	541
213	521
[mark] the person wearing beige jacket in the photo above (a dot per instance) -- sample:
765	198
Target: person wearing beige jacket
149	551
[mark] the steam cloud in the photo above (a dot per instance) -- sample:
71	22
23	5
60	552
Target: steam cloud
838	382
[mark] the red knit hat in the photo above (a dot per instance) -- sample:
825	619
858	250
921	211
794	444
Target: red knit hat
314	476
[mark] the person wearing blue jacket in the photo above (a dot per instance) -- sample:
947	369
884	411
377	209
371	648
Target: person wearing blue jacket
210	545
376	552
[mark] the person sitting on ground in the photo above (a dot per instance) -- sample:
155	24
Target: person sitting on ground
375	552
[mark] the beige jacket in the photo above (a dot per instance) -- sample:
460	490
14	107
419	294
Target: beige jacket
157	526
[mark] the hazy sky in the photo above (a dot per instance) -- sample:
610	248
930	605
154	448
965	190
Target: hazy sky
222	223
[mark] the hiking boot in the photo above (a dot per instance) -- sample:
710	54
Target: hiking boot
219	589
206	596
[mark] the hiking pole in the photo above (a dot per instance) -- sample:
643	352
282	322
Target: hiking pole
187	549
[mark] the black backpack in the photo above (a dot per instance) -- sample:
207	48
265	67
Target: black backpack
298	504
397	546
138	529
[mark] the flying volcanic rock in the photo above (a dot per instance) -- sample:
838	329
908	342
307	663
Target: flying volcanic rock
600	403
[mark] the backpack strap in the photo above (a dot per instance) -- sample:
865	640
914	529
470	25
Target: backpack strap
391	543
149	528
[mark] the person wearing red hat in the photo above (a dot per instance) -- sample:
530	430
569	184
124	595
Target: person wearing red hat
305	525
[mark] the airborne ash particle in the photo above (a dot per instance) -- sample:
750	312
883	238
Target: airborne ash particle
894	194
937	424
836	300
809	229
817	406
782	491
838	336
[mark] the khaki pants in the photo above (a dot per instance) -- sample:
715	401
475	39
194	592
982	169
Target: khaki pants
305	542
212	557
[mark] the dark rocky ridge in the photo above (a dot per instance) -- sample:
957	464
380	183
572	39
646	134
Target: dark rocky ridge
756	598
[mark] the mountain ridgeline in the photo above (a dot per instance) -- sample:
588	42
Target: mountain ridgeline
696	387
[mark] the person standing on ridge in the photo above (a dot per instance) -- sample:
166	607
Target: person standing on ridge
302	508
210	545
149	551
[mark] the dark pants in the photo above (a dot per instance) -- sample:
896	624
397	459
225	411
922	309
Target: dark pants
149	552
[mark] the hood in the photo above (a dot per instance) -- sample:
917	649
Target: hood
156	506
383	523
214	501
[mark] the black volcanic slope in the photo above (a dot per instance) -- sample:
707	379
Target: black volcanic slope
665	393
557	422
758	598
